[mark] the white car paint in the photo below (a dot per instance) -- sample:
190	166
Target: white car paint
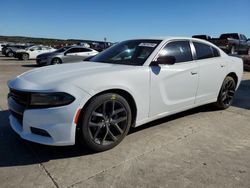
34	51
157	91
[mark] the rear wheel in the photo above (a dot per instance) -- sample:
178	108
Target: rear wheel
56	61
105	122
225	98
25	56
233	50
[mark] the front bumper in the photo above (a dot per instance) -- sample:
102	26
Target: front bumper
58	122
42	61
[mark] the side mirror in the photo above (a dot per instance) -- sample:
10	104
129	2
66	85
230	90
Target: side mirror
248	39
65	53
164	60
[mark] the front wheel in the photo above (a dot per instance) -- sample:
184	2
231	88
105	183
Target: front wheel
227	91
105	122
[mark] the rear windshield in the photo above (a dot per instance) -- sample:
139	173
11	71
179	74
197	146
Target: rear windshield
230	35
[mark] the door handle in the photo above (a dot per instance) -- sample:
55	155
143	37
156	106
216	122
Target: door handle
194	72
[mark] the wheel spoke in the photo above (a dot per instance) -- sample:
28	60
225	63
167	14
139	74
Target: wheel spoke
92	124
97	132
104	108
224	96
97	114
111	135
231	93
104	138
113	107
121	119
118	111
118	128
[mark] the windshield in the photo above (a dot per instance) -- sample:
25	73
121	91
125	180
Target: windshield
63	49
131	52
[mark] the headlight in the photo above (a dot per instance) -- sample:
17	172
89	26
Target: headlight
50	99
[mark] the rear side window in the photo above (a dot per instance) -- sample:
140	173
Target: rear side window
84	50
180	50
203	51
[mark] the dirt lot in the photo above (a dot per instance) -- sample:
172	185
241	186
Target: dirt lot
198	148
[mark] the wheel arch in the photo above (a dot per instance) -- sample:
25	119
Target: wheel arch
234	76
123	93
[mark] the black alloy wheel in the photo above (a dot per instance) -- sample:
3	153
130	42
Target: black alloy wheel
106	122
226	95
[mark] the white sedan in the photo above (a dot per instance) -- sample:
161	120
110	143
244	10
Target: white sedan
129	84
32	52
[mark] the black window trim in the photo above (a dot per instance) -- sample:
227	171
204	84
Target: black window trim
192	44
177	40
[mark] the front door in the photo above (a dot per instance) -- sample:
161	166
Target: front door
173	87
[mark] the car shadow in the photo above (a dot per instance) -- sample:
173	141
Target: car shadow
10	59
242	96
15	151
31	65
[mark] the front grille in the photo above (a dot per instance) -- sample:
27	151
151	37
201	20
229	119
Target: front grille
20	97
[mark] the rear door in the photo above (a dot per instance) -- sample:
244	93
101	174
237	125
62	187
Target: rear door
173	87
212	71
70	56
83	53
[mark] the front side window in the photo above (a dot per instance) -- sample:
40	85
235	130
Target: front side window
179	50
203	51
131	52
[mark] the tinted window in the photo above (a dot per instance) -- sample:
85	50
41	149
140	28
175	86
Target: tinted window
229	35
83	50
203	51
243	37
180	50
72	50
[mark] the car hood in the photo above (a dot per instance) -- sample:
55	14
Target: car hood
54	76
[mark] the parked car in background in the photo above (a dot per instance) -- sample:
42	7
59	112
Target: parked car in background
9	50
32	52
2	44
231	43
204	37
67	54
129	84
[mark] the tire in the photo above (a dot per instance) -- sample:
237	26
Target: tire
105	122
226	95
233	51
10	54
56	61
25	57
